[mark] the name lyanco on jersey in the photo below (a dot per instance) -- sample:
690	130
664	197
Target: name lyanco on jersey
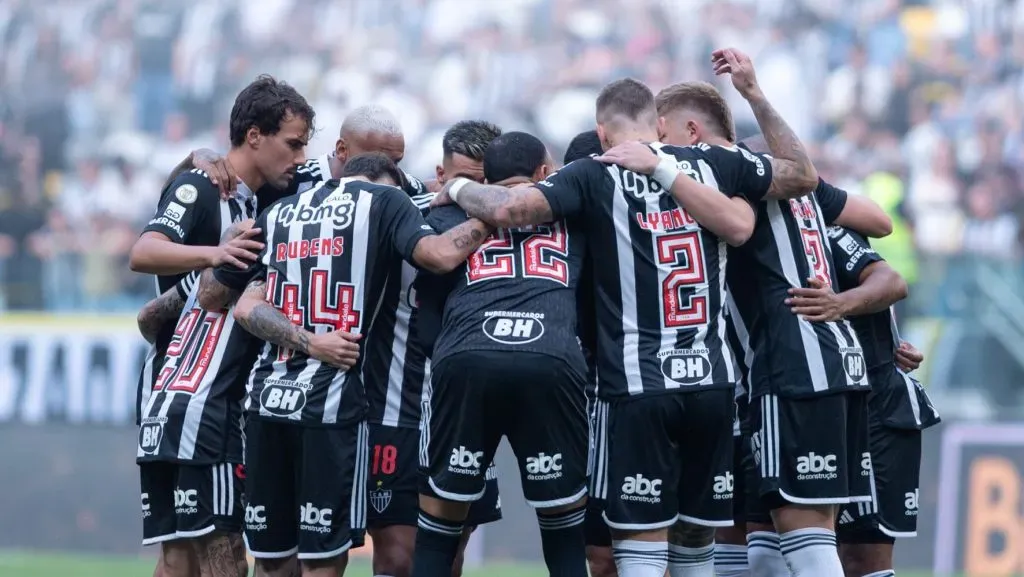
686	366
339	208
513	328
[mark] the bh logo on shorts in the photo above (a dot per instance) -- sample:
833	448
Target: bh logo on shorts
255	518
465	462
814	467
315	520
641	490
910	503
724	485
186	502
544	468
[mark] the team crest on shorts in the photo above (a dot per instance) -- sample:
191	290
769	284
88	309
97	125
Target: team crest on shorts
380	498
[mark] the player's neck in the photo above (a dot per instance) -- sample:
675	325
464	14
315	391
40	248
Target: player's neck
514	180
641	134
336	165
245	169
717	141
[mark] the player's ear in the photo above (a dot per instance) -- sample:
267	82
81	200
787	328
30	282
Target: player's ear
253	137
542	172
601	135
661	128
693	131
341	150
439	171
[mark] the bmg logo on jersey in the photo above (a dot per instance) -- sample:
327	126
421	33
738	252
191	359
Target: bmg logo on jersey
910	503
186	502
150	435
338	208
255	518
686	366
815	467
724	486
465	462
281	400
641	490
544	467
513	328
314	519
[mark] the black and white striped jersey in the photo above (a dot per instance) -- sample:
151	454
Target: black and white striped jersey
396	365
794	357
328	255
898	399
743	356
659	276
190	212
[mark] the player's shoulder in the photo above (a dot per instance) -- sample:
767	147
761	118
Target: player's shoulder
444	218
581	168
192	186
412	185
849	240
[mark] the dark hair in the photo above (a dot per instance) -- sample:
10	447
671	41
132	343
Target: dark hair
470	138
513	154
701	97
628	97
374	166
265	103
583	145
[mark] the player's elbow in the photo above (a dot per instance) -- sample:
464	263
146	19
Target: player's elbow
740	231
809	177
243	308
137	261
900	288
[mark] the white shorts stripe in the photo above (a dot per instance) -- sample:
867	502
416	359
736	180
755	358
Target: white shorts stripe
599	477
362	464
215	478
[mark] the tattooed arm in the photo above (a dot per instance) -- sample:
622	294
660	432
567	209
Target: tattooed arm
793	173
444	252
262	320
505	207
214	294
165	308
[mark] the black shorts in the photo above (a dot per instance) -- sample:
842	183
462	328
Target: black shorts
666	457
811	451
188	501
394	480
740	451
480	396
305	489
896	462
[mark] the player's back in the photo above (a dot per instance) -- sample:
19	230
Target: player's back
789	245
517	292
327	259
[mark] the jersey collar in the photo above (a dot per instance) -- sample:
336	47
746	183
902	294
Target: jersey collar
325	165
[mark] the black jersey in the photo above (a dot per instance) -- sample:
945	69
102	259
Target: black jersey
659	276
396	365
516	293
190	212
897	397
793	357
328	255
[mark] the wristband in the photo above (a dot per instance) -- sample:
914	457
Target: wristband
453	192
666	173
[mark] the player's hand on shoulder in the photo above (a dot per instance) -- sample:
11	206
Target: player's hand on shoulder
218	168
739	67
443	197
337	348
908	358
237	247
633	155
817	303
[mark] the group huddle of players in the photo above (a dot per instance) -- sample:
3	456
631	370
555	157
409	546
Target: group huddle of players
685	340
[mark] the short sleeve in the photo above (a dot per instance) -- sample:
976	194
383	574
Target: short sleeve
445	218
401	222
186	284
566	190
741	172
237	279
851	254
832	201
185	205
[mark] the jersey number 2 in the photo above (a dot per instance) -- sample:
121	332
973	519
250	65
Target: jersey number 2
538	255
681	305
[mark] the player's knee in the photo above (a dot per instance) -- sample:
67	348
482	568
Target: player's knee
735	535
318	566
690	535
574	506
791	517
238	551
864	558
393	558
177	559
601	562
283	567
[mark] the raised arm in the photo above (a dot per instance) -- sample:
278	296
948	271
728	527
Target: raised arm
793	173
264	321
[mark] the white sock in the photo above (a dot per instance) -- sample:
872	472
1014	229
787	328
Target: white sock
691	561
731	560
640	558
764	557
886	573
811	553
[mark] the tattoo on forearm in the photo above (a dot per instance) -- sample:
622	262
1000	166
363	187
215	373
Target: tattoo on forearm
211	290
159	311
504	207
792	167
268	323
467	235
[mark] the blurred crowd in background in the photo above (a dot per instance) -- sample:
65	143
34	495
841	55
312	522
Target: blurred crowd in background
915	103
